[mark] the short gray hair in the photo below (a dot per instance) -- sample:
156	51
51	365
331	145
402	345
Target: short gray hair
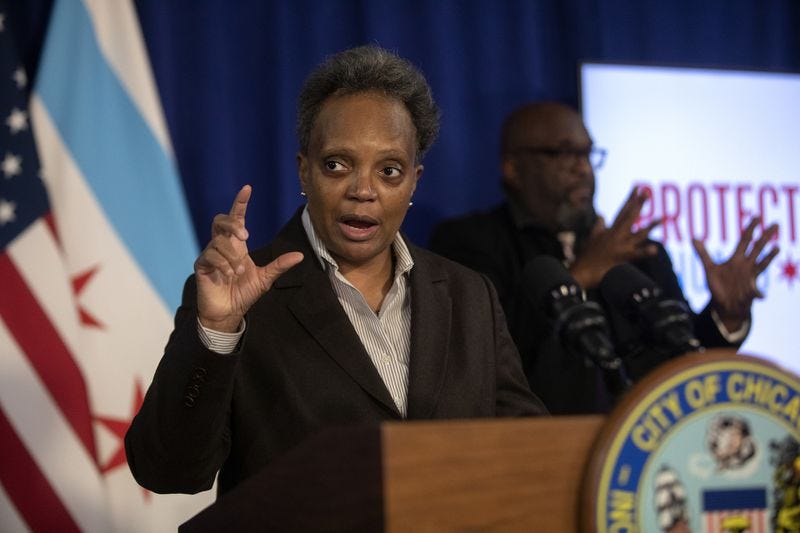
364	69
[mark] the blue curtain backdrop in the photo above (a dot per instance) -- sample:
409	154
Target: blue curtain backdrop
229	72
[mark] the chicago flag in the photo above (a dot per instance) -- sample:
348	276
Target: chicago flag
96	243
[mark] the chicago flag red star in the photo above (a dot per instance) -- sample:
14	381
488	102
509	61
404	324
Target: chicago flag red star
79	282
119	426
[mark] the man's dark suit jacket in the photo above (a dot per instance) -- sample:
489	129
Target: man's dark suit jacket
301	367
491	243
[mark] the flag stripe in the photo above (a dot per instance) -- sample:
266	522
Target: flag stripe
120	38
756	517
46	351
51	441
138	187
9	516
40	260
27	487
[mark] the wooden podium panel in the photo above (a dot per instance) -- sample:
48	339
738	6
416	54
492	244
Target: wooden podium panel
513	474
498	475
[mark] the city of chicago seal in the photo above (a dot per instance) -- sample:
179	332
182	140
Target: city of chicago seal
707	442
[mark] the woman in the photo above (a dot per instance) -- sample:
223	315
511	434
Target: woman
339	320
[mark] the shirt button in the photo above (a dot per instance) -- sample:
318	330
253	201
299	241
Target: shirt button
386	359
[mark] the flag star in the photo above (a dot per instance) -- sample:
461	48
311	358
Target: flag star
11	165
17	121
7	212
119	426
79	282
20	78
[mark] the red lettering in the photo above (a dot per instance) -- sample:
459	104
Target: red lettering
762	193
790	190
669	215
743	214
687	209
721	190
697	190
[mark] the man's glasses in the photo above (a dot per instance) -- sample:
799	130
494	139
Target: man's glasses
569	156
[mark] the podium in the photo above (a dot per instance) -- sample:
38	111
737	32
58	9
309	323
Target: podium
497	474
634	470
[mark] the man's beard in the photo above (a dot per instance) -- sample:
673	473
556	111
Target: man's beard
579	220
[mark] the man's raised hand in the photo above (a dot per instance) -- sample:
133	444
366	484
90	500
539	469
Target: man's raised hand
732	284
607	247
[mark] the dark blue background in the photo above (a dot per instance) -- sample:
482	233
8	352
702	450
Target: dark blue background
229	71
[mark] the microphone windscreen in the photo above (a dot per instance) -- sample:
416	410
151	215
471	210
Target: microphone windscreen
621	282
541	275
644	322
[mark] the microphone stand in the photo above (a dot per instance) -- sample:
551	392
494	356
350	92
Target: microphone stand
583	328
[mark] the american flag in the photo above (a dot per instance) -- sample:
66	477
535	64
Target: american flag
730	509
96	242
23	198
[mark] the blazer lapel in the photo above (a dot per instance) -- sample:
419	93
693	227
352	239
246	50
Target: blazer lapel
316	307
430	336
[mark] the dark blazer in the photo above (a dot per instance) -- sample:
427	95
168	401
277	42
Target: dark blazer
301	367
491	243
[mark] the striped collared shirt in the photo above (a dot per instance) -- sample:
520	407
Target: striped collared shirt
386	336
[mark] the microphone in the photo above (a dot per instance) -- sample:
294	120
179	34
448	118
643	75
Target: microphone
580	326
665	323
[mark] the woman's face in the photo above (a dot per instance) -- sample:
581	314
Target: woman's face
359	174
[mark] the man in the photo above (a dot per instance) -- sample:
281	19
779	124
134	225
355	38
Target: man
339	321
547	166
